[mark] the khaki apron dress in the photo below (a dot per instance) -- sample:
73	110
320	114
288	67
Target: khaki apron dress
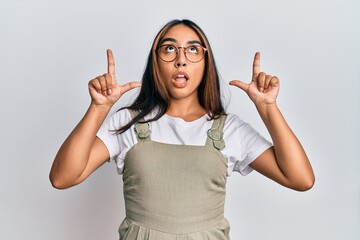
175	192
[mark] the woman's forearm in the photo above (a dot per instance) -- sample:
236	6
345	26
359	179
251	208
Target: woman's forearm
73	155
289	153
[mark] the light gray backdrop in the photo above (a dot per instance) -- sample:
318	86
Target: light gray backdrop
50	49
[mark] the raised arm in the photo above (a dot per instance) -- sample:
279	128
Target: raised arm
286	162
82	152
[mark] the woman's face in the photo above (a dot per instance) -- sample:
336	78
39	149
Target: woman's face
182	77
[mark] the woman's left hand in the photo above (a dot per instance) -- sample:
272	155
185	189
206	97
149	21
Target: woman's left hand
286	162
263	89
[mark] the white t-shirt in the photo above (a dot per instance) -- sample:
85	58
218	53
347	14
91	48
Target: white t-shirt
243	144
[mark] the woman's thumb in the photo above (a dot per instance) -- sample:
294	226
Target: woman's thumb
240	84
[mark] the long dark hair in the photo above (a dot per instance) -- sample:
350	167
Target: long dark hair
153	93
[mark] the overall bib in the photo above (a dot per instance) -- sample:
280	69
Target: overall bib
175	192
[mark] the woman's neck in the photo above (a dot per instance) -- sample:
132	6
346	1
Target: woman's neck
187	110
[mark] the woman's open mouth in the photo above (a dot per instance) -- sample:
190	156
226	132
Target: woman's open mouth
179	79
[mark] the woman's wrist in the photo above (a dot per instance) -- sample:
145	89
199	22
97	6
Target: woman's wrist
100	108
266	109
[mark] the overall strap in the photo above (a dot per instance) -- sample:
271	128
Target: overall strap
142	130
215	134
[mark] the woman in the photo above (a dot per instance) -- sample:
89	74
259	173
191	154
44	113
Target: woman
175	145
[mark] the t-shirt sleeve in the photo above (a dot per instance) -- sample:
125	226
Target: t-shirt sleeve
107	134
243	144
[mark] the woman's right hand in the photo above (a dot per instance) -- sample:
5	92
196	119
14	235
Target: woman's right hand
104	90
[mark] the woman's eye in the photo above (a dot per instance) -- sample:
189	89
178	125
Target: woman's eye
170	49
193	49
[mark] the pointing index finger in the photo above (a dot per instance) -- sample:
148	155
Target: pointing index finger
256	66
111	63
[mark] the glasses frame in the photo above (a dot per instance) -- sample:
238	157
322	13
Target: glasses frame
178	50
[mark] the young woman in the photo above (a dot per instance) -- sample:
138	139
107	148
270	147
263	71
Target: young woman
175	145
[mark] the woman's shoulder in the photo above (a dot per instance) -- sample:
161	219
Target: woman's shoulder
119	117
125	115
234	120
121	113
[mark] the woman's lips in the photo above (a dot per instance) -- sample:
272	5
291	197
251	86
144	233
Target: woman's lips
180	79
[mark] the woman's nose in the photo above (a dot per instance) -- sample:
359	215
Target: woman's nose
180	60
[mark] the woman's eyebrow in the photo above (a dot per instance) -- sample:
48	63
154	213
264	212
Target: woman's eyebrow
194	42
168	40
174	41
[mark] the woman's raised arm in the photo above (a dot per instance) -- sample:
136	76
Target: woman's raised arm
82	152
285	163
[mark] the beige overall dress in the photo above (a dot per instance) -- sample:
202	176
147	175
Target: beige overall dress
175	191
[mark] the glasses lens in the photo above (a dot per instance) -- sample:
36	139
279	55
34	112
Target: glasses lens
167	53
195	53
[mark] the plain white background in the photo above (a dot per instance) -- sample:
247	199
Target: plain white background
50	50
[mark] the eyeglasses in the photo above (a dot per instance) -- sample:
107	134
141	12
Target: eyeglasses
193	53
